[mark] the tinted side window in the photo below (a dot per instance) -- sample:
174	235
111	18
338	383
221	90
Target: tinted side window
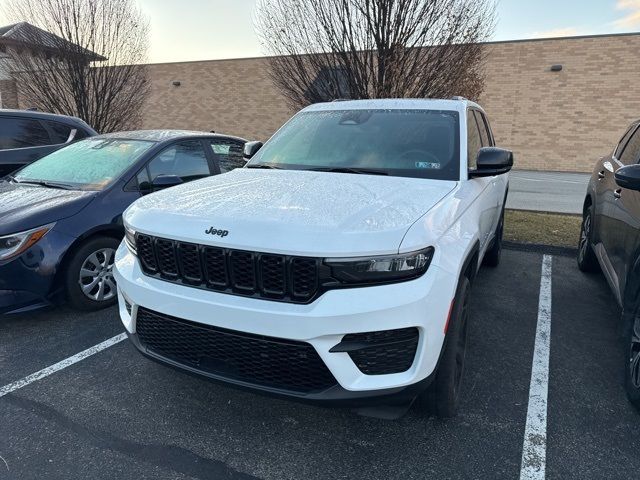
228	154
487	124
59	132
186	160
631	152
474	141
80	134
623	142
485	133
22	133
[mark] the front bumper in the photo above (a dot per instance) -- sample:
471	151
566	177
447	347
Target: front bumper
333	396
27	282
422	303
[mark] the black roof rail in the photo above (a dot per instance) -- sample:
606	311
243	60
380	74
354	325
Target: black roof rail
458	97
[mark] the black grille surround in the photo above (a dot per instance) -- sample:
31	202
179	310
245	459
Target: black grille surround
258	360
269	276
383	352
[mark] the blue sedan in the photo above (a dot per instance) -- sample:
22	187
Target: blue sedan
61	216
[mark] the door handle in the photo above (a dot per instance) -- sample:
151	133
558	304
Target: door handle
617	194
601	175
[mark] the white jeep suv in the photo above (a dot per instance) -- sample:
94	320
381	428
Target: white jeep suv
335	267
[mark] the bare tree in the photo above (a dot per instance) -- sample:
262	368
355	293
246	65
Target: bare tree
83	58
326	49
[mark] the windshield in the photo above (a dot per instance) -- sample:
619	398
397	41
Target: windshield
90	164
410	143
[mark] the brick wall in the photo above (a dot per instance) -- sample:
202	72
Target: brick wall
228	96
558	121
562	120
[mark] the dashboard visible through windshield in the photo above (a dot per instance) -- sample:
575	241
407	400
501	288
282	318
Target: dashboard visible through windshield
409	143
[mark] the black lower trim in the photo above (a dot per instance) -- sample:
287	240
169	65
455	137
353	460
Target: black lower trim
256	359
381	352
336	395
18	301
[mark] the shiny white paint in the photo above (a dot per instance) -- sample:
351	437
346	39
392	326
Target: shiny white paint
322	323
325	214
293	212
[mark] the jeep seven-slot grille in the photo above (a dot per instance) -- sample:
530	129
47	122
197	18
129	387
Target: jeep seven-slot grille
254	274
256	359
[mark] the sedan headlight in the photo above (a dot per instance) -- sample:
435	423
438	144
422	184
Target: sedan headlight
13	245
380	269
130	239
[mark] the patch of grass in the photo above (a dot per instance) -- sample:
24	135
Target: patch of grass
542	228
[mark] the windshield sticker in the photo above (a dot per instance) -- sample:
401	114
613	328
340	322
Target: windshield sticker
430	165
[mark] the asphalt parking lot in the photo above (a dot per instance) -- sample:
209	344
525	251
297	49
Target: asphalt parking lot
117	415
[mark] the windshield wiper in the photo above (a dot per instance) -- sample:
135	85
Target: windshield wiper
43	183
264	165
364	171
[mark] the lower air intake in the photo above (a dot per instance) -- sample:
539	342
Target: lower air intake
255	359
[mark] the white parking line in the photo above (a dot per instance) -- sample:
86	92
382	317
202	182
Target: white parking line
534	449
45	372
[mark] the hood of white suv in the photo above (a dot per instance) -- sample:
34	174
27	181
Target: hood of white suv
317	214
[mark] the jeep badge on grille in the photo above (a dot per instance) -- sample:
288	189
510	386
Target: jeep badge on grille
220	233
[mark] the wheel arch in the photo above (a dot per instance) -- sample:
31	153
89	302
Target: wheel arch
471	263
114	231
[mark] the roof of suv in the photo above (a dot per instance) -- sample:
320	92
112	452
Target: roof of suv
66	119
458	104
163	135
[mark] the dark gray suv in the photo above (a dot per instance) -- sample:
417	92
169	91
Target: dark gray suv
26	136
610	240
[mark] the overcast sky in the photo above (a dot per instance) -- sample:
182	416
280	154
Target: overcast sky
210	29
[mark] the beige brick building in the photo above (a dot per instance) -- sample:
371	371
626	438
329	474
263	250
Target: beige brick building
553	120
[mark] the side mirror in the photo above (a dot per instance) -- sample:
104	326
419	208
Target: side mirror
165	181
251	148
629	177
492	161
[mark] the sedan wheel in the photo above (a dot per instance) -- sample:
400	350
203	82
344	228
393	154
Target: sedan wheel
96	275
89	277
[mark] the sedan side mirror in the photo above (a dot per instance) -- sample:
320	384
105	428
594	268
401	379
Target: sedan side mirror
251	148
165	181
492	161
629	177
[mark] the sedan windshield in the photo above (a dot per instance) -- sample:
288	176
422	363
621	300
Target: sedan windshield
91	164
408	143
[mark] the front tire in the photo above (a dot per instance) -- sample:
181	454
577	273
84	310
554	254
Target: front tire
89	276
492	257
442	398
587	261
632	359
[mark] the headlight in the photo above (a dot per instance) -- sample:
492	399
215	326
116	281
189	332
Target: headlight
130	239
13	245
382	269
